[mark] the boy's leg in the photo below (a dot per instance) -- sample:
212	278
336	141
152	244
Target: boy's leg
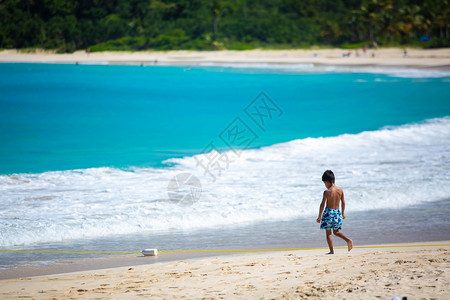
344	237
329	241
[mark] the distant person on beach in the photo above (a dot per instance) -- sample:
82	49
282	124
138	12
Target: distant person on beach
347	54
331	219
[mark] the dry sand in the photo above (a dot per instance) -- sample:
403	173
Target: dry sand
420	272
383	57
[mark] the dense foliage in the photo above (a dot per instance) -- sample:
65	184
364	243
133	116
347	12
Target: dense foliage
68	25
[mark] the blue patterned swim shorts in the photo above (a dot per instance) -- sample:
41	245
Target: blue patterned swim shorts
331	219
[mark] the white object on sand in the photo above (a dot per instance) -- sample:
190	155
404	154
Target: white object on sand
150	252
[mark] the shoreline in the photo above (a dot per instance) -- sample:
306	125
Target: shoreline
256	236
86	264
390	57
406	270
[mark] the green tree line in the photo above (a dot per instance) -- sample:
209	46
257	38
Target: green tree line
68	25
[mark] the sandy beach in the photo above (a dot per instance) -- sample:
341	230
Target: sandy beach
419	272
419	58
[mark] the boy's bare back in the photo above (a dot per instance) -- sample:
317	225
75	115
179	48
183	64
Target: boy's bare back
333	195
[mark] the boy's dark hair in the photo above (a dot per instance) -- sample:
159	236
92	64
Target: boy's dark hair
328	175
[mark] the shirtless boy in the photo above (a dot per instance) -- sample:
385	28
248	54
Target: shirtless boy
331	219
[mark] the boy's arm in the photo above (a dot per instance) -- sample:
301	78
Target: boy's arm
343	205
322	206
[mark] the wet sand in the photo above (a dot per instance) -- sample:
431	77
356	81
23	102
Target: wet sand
419	272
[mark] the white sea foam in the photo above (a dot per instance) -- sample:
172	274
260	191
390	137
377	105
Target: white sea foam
389	168
318	68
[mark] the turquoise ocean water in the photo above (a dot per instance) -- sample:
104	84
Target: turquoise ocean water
87	152
63	117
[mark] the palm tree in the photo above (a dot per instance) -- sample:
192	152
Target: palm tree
216	7
410	18
373	13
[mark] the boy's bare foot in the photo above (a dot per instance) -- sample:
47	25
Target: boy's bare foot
330	253
350	245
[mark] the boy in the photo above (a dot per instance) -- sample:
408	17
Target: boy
332	217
